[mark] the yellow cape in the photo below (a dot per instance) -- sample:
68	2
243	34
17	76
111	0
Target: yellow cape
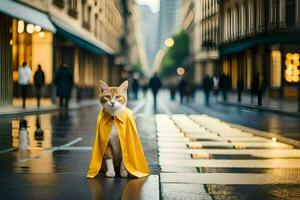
132	152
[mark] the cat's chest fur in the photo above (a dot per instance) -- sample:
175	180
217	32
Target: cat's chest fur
114	142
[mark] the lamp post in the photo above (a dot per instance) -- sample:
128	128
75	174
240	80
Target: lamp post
169	42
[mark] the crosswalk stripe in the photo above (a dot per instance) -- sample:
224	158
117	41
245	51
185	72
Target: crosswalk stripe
187	143
228	178
223	163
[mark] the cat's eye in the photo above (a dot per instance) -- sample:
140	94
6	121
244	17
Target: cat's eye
107	96
118	96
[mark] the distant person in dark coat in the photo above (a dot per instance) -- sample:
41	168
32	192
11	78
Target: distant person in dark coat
240	88
207	86
182	87
39	81
64	84
224	85
258	87
135	87
155	85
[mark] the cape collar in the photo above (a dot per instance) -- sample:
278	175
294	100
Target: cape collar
107	117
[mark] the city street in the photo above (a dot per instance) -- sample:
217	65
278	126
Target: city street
190	158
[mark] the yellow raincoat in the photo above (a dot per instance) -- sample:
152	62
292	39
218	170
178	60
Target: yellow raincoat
132	152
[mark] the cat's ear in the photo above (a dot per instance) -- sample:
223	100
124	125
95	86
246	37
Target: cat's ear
102	86
124	85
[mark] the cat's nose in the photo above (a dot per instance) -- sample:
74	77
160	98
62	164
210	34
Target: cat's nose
113	103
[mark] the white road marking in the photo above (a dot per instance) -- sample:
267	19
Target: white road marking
6	150
52	150
228	178
223	163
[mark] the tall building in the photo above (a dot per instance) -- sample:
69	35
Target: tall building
261	37
169	19
149	26
84	34
201	22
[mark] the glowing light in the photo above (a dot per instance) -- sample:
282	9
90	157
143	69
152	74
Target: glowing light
21	26
30	28
274	139
169	42
180	71
41	34
11	42
37	28
292	63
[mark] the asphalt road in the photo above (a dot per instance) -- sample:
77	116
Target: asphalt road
56	162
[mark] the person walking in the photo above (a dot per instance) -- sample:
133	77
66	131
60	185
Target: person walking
207	86
135	87
24	73
240	88
155	85
224	85
215	88
64	84
182	87
39	81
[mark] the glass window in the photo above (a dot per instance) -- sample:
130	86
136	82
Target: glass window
275	67
290	12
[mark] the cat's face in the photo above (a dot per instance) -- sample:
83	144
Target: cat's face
113	99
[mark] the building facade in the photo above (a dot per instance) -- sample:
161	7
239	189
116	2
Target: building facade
84	34
201	21
261	37
169	18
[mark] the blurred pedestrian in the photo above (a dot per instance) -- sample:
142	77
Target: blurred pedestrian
240	88
260	88
224	85
155	85
172	92
216	87
24	73
182	87
135	87
207	86
64	84
39	81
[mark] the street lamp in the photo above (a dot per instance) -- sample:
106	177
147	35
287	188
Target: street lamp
169	42
180	71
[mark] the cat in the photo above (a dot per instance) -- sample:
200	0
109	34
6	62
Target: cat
113	101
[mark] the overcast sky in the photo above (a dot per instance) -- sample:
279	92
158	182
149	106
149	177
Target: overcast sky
154	4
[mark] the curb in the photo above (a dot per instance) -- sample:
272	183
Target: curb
293	114
268	135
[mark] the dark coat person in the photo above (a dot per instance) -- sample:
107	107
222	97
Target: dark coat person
207	86
135	87
64	84
224	85
39	81
155	85
240	88
182	87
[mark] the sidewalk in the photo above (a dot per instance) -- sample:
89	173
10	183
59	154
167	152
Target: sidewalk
46	106
287	107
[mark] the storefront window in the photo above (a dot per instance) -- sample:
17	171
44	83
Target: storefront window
291	72
275	66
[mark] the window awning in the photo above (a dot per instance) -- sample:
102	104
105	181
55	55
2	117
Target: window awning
81	37
26	13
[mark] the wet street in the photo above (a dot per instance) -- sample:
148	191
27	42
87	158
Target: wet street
190	157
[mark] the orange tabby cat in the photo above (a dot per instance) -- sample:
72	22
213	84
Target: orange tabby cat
113	101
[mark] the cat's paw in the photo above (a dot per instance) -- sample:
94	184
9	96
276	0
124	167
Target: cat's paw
110	174
123	173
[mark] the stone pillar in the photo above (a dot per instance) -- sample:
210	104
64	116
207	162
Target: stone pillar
6	82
